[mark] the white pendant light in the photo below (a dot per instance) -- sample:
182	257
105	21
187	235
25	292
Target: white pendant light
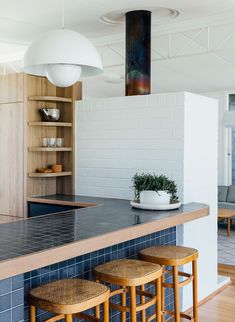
62	56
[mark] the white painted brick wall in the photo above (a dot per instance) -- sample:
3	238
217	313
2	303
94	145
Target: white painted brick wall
117	137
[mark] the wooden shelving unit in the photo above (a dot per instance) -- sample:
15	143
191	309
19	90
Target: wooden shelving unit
41	93
21	98
50	175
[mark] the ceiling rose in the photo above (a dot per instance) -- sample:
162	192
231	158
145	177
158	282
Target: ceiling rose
159	15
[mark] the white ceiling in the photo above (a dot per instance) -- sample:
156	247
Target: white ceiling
197	62
22	20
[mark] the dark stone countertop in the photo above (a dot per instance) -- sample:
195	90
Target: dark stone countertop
36	242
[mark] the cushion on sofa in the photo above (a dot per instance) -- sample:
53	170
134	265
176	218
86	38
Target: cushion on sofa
231	194
226	205
222	193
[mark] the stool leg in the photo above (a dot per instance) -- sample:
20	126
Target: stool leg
97	308
32	313
162	296
158	304
124	304
176	293
68	318
106	311
133	303
195	292
97	311
142	298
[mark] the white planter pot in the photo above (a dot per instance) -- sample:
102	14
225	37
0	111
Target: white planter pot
153	197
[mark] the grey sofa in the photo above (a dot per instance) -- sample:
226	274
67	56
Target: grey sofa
226	198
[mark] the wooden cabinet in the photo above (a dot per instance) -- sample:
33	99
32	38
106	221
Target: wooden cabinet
21	131
12	153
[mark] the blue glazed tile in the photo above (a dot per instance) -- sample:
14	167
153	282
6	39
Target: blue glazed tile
72	271
54	275
26	275
18	297
18	313
17	282
45	278
54	267
87	256
35	273
63	273
5	316
63	264
71	261
35	281
5	302
5	286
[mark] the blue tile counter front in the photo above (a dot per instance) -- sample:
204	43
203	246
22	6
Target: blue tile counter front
13	291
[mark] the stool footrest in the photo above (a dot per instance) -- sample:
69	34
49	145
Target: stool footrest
86	317
151	318
145	293
182	315
55	318
189	279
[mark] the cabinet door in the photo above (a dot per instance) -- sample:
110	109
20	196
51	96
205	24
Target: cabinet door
12	159
11	88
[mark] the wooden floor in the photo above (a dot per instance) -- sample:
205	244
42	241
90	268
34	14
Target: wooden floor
220	308
227	270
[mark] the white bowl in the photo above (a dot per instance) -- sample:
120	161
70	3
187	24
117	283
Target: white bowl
154	197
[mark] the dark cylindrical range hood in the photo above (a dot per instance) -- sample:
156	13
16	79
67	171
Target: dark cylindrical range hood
138	52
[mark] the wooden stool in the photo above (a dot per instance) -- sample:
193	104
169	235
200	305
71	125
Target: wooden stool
175	256
129	274
68	298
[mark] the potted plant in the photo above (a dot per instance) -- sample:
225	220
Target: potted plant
150	188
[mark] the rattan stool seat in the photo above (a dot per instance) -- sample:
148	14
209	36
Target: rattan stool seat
169	255
130	272
131	277
68	295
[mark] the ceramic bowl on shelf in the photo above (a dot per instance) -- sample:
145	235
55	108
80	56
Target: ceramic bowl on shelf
50	114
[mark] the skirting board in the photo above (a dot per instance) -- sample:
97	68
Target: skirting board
223	282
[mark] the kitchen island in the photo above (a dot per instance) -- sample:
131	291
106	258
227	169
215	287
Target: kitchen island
70	244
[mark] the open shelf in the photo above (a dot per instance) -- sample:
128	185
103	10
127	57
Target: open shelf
50	99
49	175
48	149
62	124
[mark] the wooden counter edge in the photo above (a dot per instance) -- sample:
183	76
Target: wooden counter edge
22	264
62	202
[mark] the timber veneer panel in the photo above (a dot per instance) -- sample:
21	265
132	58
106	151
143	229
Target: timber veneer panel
12	88
12	150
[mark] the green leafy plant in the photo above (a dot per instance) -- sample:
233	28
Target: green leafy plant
153	182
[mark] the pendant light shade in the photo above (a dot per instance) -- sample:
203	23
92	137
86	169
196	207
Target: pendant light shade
62	56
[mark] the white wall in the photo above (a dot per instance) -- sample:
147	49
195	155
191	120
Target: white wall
174	134
224	172
200	184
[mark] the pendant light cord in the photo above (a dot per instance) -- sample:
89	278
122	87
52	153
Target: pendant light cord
62	15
